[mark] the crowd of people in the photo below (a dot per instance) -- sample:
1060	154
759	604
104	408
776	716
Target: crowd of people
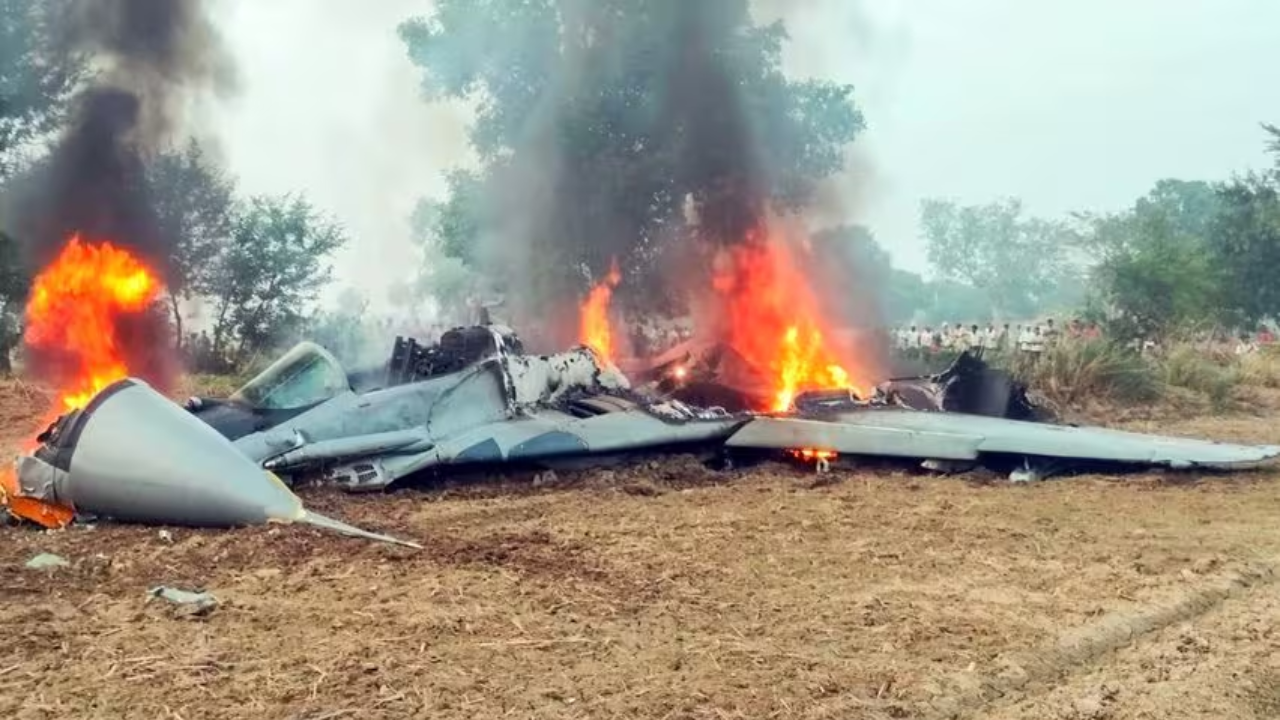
1034	337
1031	337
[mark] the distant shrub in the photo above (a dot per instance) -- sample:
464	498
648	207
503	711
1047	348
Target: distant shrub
1261	369
1216	378
206	385
1069	372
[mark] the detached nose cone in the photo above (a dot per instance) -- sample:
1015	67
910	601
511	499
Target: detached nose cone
133	455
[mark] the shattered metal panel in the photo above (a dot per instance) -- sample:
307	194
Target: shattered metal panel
537	380
38	479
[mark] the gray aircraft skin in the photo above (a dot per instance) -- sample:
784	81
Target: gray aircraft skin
540	410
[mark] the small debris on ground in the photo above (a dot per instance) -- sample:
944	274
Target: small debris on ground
186	603
47	561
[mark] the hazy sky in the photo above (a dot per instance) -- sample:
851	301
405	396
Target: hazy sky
1068	104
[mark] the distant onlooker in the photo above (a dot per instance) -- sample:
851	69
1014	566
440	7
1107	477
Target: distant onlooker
1031	340
990	338
1049	332
968	338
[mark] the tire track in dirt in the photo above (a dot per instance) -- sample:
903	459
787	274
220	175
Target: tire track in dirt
972	694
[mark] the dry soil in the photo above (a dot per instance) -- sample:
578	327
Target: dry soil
670	591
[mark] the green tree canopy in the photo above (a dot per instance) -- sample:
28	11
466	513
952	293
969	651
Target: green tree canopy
1156	270
1246	238
193	199
37	75
597	122
274	266
1017	261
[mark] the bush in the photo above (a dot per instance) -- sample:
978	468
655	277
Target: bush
207	385
1185	366
1069	372
1261	369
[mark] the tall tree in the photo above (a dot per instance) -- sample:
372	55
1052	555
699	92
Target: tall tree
597	122
1017	261
1246	243
1156	271
14	284
1273	142
274	266
193	200
37	75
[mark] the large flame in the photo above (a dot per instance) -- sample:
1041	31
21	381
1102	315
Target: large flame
72	316
74	310
594	330
774	319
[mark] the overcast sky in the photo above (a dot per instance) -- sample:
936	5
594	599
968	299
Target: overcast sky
1068	104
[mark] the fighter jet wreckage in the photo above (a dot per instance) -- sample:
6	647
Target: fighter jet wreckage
477	400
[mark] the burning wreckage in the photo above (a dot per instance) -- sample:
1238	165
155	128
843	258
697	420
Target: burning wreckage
477	400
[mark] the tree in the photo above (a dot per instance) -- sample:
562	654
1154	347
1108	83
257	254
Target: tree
193	201
274	265
1156	270
14	284
598	121
37	75
1246	244
345	331
1273	142
1015	260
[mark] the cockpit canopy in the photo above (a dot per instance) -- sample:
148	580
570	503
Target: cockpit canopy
306	375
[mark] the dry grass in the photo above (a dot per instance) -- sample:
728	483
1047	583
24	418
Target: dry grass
1070	372
1261	369
766	597
1183	378
1213	378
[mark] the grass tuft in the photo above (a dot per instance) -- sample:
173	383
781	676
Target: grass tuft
1071	372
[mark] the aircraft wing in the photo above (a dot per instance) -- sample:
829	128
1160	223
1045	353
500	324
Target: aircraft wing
895	432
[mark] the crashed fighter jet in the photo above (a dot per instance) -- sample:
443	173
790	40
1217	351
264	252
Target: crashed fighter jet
476	399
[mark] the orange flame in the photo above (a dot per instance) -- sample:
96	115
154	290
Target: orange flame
774	320
812	454
594	330
74	305
72	312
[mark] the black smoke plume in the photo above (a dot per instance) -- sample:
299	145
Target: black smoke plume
653	133
148	61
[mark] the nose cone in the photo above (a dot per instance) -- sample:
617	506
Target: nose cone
133	455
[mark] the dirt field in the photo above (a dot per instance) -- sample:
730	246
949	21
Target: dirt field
673	592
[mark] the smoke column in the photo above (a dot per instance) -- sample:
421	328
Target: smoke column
149	60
